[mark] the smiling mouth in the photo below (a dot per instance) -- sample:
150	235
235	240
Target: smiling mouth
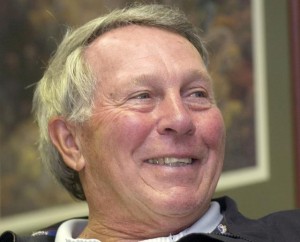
171	161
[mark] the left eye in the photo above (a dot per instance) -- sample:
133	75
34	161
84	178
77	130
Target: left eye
199	94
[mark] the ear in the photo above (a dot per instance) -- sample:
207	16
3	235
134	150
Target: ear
64	138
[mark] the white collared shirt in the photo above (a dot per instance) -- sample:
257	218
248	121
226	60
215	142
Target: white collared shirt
71	229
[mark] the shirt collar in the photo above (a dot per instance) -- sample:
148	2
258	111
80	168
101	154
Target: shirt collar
71	229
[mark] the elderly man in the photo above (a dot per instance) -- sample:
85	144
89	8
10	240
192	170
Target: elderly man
129	123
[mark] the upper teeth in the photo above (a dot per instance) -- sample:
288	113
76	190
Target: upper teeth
170	161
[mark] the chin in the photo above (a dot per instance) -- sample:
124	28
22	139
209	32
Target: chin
183	205
176	216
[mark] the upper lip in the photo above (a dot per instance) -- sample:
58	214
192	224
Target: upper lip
171	160
193	157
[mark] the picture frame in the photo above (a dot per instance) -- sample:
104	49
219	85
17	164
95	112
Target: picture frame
261	171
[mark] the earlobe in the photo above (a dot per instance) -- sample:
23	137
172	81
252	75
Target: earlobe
63	137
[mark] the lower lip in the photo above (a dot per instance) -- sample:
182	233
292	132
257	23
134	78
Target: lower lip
174	167
180	175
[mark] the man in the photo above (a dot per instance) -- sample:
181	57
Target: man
129	123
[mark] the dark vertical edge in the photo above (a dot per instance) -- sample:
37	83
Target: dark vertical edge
294	19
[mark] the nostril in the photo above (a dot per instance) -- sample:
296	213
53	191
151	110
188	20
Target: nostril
178	129
169	130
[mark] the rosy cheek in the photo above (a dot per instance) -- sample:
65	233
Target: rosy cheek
133	127
215	128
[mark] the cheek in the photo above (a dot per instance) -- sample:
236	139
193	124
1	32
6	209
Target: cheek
214	129
127	129
112	139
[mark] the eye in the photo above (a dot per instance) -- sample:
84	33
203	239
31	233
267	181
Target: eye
199	94
141	101
199	99
143	95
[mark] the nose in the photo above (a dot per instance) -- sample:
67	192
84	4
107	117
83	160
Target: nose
175	118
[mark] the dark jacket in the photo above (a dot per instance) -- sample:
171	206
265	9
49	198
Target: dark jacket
277	227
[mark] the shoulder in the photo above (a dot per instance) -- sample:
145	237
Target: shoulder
279	226
285	224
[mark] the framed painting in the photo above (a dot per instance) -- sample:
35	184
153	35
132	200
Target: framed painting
259	170
234	32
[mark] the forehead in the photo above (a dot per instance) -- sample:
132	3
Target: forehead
141	50
132	31
137	36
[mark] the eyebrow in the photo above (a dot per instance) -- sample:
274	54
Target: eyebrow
198	74
143	79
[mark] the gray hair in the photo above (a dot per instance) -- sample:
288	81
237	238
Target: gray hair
67	88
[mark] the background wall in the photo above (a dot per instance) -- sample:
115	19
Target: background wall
279	192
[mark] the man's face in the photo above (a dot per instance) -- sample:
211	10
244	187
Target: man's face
154	145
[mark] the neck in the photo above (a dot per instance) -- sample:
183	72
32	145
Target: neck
132	229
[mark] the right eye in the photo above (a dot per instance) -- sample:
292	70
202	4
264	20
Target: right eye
143	95
142	101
